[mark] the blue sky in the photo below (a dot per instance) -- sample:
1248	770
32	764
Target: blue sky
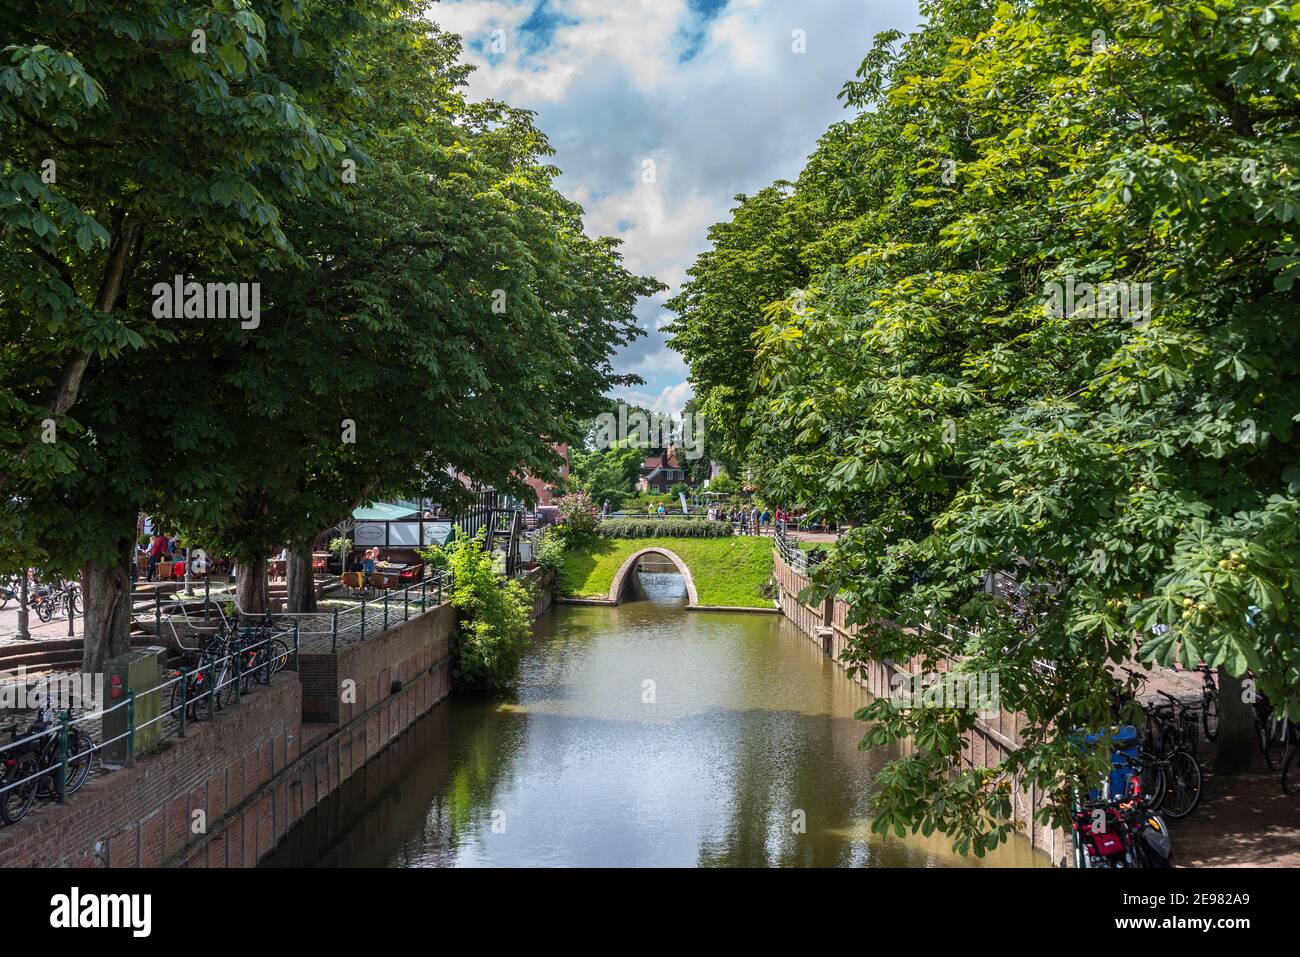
712	91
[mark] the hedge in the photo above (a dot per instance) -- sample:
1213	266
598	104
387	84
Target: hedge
650	527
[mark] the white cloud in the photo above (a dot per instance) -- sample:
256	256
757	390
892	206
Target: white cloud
611	90
671	400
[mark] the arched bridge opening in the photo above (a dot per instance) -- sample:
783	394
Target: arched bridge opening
625	571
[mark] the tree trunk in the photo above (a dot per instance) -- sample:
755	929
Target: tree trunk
301	581
106	591
24	632
251	585
1235	747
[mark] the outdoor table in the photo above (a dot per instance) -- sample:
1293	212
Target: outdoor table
391	572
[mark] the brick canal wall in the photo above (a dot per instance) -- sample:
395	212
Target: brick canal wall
253	771
987	745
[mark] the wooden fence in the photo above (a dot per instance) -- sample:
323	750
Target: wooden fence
994	736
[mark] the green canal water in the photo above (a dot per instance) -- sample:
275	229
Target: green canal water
642	735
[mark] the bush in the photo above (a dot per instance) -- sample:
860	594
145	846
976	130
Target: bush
494	627
664	528
579	517
724	483
435	559
548	551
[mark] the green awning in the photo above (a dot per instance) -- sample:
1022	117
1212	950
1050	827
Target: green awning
383	512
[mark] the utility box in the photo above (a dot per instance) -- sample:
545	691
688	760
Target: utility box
140	670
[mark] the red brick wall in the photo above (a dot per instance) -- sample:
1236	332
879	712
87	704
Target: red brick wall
401	653
141	816
247	769
254	829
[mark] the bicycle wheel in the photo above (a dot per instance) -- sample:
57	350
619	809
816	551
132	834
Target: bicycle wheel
17	800
1272	741
74	604
200	693
1291	772
47	785
45	610
1182	785
279	656
1210	714
1151	780
81	757
198	703
1189	733
228	686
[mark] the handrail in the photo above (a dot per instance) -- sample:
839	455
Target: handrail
229	668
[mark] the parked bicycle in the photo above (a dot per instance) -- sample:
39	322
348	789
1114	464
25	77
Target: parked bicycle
1209	702
50	601
1166	768
1291	765
1272	731
37	758
10	591
1120	833
230	662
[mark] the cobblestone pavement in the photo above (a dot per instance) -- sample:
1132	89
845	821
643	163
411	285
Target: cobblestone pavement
55	628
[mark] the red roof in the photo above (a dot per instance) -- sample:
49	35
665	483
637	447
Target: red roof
667	460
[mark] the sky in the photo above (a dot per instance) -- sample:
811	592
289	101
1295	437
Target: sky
716	94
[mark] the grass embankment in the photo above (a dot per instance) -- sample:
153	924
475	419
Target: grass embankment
727	571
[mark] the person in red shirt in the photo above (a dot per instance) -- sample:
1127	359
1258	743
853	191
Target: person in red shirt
157	548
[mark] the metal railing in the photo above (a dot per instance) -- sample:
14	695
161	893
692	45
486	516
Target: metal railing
367	618
165	607
56	757
788	548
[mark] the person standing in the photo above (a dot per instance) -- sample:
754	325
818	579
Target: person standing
157	549
604	509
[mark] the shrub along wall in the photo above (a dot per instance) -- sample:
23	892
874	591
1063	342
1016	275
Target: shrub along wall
664	528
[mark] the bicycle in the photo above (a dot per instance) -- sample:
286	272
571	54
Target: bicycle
202	682
41	740
1291	765
17	785
1209	702
1272	732
1119	833
10	591
1179	723
49	602
1166	767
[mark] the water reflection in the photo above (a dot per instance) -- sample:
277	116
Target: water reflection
642	735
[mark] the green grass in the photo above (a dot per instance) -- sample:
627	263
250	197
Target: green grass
727	571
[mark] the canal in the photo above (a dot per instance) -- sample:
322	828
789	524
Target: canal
641	735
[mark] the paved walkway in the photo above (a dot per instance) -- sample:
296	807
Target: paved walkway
1242	821
55	628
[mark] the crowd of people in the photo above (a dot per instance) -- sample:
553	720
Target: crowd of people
162	550
747	521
